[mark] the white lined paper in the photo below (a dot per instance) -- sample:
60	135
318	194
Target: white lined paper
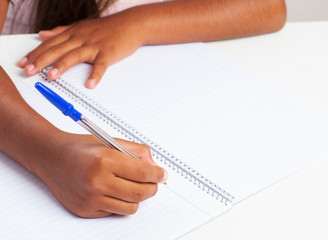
206	110
198	104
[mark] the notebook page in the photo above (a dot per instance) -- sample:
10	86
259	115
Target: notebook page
237	129
176	206
29	211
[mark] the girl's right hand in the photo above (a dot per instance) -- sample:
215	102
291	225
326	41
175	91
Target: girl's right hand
92	180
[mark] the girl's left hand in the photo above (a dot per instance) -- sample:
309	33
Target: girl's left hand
101	41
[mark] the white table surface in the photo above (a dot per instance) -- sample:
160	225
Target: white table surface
295	59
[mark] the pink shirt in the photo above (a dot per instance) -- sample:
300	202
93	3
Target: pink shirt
26	13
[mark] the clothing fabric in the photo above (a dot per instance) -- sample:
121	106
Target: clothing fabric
22	13
25	17
121	5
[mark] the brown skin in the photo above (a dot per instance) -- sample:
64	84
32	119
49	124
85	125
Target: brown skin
3	11
89	179
107	40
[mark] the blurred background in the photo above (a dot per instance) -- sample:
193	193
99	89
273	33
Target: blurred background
307	10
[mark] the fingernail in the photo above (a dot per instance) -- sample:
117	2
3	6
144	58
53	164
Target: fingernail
165	177
91	83
53	72
30	67
23	61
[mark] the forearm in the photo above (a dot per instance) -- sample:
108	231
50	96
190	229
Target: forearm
3	12
23	132
84	175
207	20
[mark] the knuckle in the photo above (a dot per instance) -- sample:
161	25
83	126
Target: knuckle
139	195
145	193
100	67
143	172
30	56
39	62
92	183
44	45
36	62
62	65
76	54
94	179
145	150
90	50
110	162
132	208
100	161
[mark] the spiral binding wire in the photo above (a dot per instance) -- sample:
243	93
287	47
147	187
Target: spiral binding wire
132	134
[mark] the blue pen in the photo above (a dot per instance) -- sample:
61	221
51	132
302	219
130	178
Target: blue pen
68	109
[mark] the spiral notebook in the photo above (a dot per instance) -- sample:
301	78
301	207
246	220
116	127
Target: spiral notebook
222	132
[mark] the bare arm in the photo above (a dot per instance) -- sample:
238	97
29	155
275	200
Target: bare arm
208	20
89	179
21	128
107	40
3	12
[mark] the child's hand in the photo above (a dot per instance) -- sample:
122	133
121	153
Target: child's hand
92	180
102	41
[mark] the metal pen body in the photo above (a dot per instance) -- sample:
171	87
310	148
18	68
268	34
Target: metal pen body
103	136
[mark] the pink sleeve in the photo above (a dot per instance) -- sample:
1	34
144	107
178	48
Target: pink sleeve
120	5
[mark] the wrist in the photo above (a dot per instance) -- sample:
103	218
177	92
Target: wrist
29	141
138	23
161	23
43	150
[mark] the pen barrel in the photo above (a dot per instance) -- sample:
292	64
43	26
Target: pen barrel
103	136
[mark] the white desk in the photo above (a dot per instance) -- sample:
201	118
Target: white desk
296	59
296	208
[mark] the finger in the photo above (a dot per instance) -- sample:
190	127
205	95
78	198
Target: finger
102	62
45	35
112	205
99	68
135	170
130	191
75	56
142	151
50	56
29	58
95	214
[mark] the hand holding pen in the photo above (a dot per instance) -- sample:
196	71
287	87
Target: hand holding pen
113	182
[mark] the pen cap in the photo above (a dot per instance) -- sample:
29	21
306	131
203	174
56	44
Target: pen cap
65	107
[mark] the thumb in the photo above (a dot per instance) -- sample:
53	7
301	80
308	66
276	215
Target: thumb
46	34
